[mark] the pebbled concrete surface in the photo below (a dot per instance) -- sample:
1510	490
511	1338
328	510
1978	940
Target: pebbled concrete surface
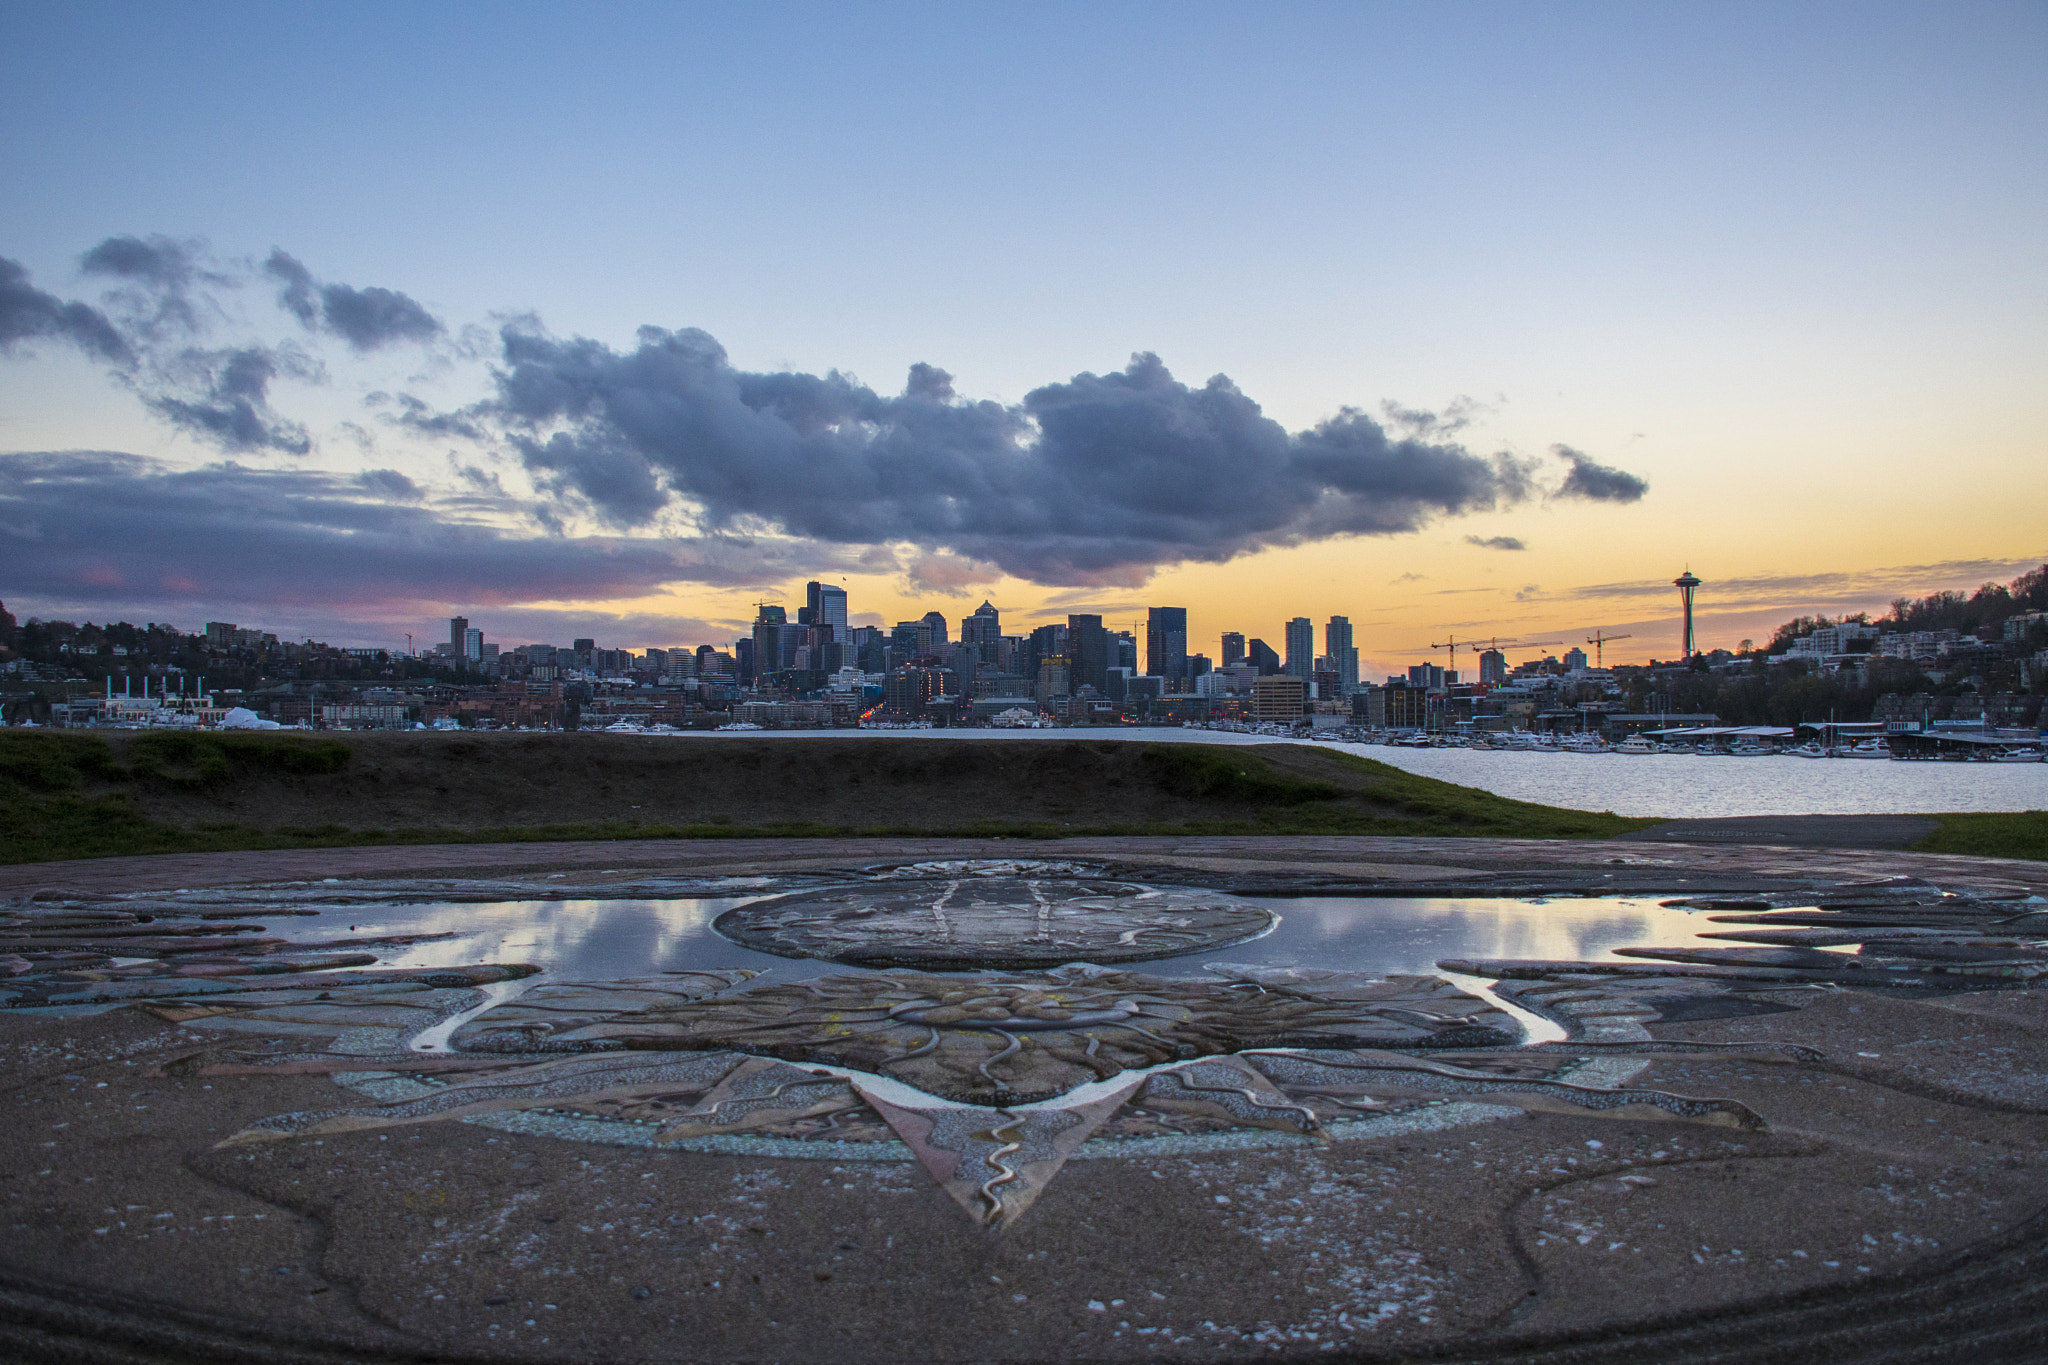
1894	1211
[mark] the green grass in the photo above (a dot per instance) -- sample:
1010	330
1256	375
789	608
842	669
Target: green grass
2017	834
65	795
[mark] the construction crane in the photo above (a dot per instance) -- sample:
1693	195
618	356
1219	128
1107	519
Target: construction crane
1492	642
1599	643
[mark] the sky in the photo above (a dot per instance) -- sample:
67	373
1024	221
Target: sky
1473	321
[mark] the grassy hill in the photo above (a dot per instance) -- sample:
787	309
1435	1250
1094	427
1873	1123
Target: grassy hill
84	795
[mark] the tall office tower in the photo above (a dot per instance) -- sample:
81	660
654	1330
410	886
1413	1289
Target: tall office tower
1429	675
935	622
583	649
457	627
1493	668
472	643
1087	652
1166	644
1233	648
1260	655
1343	654
774	641
1126	651
983	630
825	604
869	649
904	640
1301	648
1042	643
743	661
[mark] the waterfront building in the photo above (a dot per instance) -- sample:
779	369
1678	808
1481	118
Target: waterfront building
1281	699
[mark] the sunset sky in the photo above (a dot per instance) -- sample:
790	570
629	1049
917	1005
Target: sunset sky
614	320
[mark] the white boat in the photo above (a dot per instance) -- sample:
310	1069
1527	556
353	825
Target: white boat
1868	748
1635	744
2015	756
1748	748
1810	749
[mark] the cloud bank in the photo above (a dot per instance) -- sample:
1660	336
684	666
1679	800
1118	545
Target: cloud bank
93	531
1097	480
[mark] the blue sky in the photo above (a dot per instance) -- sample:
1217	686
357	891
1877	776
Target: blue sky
1751	254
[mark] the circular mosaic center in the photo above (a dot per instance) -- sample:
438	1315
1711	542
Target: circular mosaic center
1007	922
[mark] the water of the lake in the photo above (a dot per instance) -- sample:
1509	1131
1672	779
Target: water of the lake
1671	786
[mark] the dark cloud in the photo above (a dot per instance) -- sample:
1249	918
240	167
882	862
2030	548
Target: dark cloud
223	398
300	295
159	281
1095	480
91	532
388	484
1458	414
1595	481
366	319
28	314
1496	542
415	415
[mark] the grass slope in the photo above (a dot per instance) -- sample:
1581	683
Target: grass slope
84	795
2019	834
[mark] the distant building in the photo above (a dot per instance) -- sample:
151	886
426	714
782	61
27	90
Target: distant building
458	627
1301	648
774	641
1343	655
825	605
1575	660
1088	653
911	691
1233	648
984	631
473	644
1260	655
1166	643
1052	678
1281	698
1493	668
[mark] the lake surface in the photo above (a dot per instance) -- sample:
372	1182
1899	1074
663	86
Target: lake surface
606	940
1673	786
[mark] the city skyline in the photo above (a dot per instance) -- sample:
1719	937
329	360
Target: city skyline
1551	308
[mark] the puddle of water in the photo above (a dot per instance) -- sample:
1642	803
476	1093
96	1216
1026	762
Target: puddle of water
607	940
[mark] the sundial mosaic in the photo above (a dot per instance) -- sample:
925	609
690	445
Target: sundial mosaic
991	1020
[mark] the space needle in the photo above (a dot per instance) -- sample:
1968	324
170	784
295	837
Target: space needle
1686	583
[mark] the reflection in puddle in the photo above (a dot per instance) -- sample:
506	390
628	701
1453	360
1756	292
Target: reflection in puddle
609	940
